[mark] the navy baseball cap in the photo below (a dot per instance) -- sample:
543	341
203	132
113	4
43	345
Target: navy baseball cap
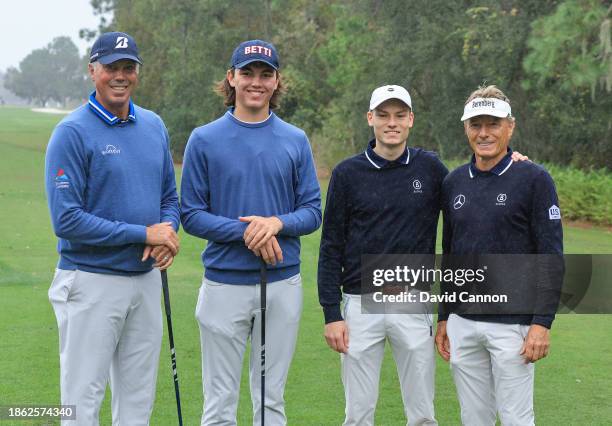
255	51
112	47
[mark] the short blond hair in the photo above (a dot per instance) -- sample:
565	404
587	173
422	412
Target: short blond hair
490	91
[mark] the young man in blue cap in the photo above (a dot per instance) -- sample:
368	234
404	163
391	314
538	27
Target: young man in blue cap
250	188
385	200
112	197
495	206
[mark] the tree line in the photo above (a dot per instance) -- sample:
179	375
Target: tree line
553	58
55	72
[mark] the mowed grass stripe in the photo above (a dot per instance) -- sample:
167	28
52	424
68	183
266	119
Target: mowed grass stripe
572	385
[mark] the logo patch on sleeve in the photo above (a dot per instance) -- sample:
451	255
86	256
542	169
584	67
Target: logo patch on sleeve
554	212
61	180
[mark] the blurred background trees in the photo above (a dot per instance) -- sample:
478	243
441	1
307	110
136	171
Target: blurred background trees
55	72
553	58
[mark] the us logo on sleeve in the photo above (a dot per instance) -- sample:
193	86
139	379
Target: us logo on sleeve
554	212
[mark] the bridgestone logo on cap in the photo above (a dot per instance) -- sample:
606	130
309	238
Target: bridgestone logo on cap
121	43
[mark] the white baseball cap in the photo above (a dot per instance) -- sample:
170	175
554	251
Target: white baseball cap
486	106
385	93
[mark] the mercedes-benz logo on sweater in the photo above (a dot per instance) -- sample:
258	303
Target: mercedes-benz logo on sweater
459	201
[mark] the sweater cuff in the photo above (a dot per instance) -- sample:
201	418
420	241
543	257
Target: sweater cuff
543	320
332	313
288	224
136	234
175	224
442	317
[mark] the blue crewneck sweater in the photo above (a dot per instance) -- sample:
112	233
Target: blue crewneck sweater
106	180
232	168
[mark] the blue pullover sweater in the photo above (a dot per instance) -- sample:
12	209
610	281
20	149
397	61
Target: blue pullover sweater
106	180
232	169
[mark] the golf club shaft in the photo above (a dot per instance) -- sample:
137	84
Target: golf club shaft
164	276
263	302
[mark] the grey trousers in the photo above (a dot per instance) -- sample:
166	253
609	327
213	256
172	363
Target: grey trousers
110	326
490	375
228	315
411	340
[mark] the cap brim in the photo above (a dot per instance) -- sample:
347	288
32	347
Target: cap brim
109	59
249	61
484	111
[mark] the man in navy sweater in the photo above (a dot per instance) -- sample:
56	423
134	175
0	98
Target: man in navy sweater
385	200
250	188
494	206
112	196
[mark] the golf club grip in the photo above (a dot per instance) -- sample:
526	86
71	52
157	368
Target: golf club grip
166	291
263	272
164	278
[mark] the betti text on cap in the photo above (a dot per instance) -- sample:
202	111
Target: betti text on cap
255	51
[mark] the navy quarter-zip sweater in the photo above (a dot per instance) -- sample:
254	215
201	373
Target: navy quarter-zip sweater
375	206
511	209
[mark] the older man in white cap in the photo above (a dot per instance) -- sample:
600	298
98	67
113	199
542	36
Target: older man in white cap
383	200
495	206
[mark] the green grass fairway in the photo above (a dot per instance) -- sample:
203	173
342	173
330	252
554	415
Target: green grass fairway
573	385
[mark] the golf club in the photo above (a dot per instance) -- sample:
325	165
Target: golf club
263	281
164	276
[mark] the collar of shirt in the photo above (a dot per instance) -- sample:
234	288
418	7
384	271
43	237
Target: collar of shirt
253	124
499	169
379	162
107	116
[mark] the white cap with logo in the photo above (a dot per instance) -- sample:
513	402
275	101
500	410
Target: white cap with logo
486	106
385	93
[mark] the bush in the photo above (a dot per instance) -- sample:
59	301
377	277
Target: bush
584	195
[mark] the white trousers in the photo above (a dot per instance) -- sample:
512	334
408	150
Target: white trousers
490	375
109	325
411	340
228	315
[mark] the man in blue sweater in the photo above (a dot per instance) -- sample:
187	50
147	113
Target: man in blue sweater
250	188
494	206
112	197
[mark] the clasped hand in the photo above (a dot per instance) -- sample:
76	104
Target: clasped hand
260	237
162	244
